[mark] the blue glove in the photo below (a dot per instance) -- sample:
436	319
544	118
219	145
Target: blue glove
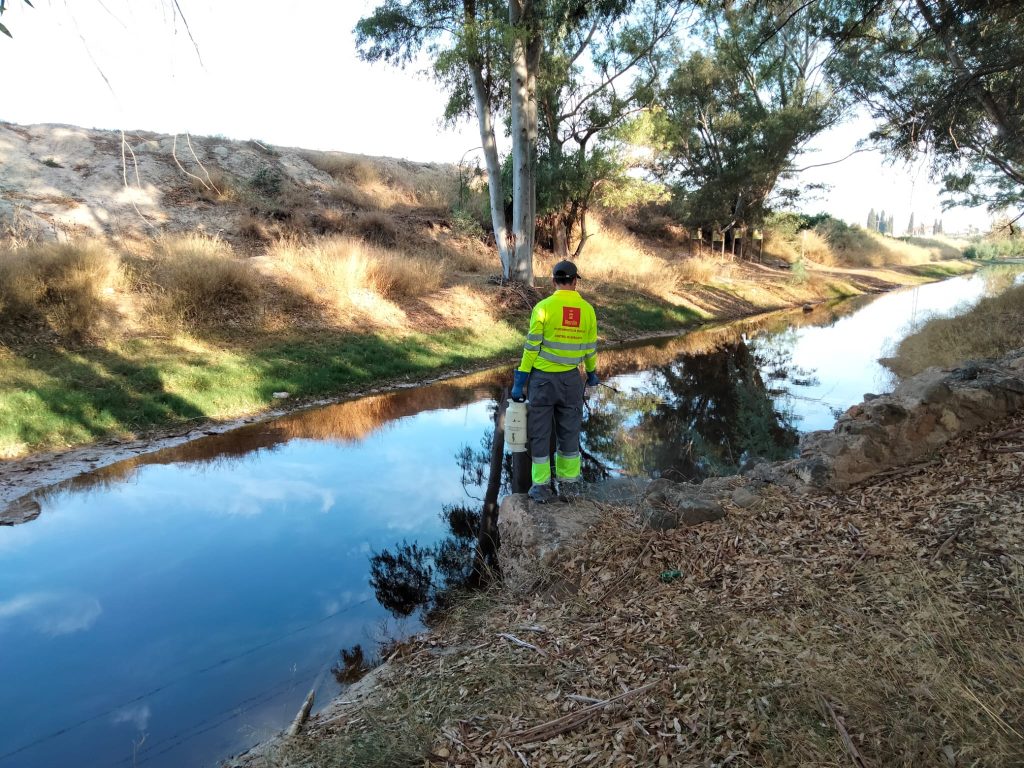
592	379
517	387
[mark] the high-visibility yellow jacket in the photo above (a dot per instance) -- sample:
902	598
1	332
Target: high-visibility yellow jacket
563	334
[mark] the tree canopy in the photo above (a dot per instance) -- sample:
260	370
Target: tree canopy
945	78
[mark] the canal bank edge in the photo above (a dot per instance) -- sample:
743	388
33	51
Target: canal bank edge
883	437
22	476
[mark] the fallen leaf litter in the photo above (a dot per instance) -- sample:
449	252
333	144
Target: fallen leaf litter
882	626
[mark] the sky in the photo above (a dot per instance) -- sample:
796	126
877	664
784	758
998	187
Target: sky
288	74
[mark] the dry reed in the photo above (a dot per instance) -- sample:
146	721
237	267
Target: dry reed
197	280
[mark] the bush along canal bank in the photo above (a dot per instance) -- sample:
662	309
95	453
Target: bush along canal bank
862	602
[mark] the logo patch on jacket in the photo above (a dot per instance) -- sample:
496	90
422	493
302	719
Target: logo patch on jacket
571	317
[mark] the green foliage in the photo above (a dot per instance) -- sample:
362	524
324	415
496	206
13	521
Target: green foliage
735	113
3	7
266	182
465	223
1003	248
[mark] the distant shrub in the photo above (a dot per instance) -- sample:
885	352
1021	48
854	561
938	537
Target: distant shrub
465	224
1006	248
266	182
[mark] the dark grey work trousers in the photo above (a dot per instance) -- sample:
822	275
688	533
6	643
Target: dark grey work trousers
556	401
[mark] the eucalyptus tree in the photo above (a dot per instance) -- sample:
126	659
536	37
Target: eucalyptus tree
487	54
466	41
744	97
945	78
572	64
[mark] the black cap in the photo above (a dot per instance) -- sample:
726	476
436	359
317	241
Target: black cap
565	270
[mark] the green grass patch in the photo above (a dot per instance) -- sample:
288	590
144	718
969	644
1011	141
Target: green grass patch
939	270
52	398
643	314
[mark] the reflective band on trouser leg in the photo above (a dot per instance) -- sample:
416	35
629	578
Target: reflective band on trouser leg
540	471
567	466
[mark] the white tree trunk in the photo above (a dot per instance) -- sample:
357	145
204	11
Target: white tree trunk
522	165
494	187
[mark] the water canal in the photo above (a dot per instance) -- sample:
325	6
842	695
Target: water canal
176	608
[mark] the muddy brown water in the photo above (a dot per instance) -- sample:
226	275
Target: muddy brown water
176	607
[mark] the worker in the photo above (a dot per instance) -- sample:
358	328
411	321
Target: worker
563	334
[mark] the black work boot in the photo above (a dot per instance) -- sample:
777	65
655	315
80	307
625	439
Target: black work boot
570	490
541	494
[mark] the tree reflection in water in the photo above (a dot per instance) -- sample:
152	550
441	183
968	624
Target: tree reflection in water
699	415
412	578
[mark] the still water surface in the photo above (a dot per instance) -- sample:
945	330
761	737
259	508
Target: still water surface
176	608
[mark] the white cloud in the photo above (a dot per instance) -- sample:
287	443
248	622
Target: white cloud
51	614
137	715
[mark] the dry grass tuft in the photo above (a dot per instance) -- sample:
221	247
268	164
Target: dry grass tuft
329	221
699	270
198	280
214	185
991	329
613	255
470	255
378	229
331	272
379	183
68	288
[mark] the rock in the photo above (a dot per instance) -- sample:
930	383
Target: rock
904	427
667	505
20	511
744	497
929	386
281	395
532	534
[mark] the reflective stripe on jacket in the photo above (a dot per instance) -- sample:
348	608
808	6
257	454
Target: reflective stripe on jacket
563	334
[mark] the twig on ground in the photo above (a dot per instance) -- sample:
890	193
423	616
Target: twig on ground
549	730
851	749
303	715
522	643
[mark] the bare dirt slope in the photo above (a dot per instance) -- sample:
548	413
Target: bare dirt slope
61	180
